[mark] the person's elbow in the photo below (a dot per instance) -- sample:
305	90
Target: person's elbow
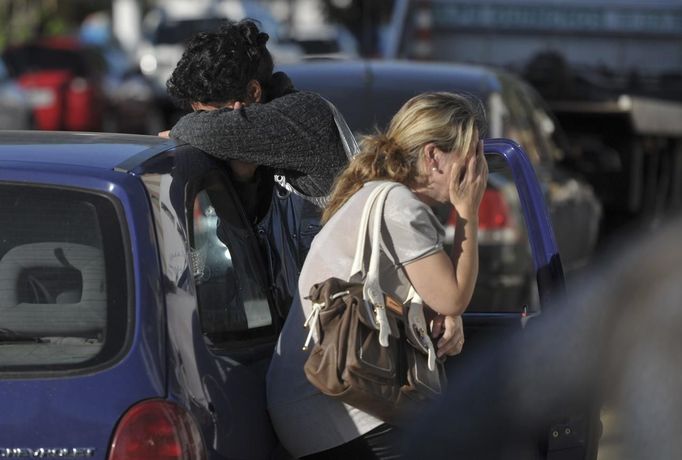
454	302
436	281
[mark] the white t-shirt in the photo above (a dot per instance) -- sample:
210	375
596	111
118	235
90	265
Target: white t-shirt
306	421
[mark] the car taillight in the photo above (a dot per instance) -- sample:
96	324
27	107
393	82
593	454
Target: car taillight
494	212
157	429
496	224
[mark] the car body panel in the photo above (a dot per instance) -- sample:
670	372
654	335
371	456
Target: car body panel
368	93
541	235
96	150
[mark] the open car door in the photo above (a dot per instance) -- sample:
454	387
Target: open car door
501	403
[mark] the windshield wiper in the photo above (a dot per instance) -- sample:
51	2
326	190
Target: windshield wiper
10	336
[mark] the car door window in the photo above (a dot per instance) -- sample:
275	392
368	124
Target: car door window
63	279
233	300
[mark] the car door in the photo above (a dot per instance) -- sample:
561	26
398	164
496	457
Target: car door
494	356
509	165
221	321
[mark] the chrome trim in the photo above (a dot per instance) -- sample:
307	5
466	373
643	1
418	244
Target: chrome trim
47	452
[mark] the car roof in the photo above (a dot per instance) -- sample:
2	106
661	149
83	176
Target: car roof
96	150
369	92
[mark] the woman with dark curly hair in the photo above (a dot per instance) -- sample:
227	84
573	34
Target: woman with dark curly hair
226	77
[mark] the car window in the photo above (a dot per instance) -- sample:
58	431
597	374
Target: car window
63	282
233	300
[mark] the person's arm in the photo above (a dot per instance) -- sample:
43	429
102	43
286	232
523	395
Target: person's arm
447	283
293	132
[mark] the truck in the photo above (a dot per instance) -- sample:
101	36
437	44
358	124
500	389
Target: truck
610	70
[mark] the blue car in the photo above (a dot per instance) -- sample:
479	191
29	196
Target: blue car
136	316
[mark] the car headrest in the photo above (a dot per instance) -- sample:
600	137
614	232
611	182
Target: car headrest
68	313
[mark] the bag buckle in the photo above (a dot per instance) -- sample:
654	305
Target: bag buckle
310	320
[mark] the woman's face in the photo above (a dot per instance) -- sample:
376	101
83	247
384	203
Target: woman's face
445	167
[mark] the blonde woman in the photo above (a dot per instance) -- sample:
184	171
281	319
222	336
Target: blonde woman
432	148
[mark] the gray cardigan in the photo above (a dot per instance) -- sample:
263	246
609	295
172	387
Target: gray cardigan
294	134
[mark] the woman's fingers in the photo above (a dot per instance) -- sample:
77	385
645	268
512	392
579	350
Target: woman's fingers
452	340
437	326
450	348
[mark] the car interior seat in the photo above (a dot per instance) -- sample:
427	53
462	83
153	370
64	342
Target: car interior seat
53	289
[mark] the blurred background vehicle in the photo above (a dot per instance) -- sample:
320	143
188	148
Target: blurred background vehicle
79	83
15	106
368	93
63	83
611	70
326	40
131	106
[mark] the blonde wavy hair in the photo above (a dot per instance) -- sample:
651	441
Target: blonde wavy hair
447	120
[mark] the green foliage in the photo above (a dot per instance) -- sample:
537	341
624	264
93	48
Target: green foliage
23	20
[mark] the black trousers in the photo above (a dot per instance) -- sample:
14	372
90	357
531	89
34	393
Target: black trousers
382	443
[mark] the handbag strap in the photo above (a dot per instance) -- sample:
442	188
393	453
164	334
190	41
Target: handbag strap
371	289
358	266
372	292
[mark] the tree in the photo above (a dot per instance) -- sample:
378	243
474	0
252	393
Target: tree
23	20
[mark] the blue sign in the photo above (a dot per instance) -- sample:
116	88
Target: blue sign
561	18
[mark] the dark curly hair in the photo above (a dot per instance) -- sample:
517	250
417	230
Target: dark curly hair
217	66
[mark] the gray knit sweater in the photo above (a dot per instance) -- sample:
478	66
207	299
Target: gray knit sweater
294	134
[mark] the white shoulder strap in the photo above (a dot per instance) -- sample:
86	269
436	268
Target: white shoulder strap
358	266
371	290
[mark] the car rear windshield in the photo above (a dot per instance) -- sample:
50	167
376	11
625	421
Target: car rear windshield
63	282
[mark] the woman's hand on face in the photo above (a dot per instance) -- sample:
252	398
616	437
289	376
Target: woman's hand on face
469	177
451	332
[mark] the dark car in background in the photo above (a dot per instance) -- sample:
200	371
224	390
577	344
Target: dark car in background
73	86
136	316
368	93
